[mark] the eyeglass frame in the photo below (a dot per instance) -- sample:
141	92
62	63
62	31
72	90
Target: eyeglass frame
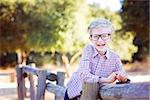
100	36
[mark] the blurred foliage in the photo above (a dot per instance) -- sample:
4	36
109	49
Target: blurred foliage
57	27
35	24
40	26
123	45
8	58
135	14
12	29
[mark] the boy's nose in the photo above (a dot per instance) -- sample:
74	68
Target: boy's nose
100	39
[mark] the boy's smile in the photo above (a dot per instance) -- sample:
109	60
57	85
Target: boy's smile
100	45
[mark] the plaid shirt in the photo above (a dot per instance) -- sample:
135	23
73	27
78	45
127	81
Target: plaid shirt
91	67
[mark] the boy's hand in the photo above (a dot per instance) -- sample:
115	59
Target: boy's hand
111	78
121	77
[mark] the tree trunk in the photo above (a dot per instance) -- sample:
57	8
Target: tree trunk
66	64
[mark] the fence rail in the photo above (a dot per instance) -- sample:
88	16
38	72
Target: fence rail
90	91
132	91
43	75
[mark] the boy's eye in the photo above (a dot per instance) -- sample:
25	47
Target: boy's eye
105	35
102	36
95	36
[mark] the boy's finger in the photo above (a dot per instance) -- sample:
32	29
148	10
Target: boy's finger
122	78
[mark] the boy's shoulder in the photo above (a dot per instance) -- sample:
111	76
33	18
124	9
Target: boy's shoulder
89	48
113	54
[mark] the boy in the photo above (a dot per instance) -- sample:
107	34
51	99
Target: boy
98	63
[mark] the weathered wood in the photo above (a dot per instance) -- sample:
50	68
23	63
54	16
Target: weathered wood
133	91
41	85
43	75
60	82
29	69
20	84
24	88
32	87
56	89
90	91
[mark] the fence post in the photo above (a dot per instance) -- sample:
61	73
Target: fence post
32	87
90	91
20	83
42	74
60	82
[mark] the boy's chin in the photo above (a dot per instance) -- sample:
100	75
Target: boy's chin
102	51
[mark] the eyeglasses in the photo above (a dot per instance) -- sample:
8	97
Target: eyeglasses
96	37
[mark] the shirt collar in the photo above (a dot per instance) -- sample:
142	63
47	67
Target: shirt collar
107	55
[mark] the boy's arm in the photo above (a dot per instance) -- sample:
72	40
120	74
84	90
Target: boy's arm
84	66
121	74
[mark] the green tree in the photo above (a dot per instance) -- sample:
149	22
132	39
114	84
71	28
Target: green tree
135	15
38	25
12	30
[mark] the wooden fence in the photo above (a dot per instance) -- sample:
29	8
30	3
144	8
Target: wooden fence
91	91
131	91
43	75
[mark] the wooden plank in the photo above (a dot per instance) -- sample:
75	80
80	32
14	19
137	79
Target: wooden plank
133	91
29	69
32	87
56	89
20	84
41	85
60	82
90	91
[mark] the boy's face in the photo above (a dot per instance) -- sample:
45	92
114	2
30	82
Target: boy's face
100	37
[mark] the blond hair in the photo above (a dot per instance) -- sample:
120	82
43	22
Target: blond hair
100	23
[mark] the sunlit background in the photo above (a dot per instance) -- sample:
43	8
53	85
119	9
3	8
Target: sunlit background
50	34
113	5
